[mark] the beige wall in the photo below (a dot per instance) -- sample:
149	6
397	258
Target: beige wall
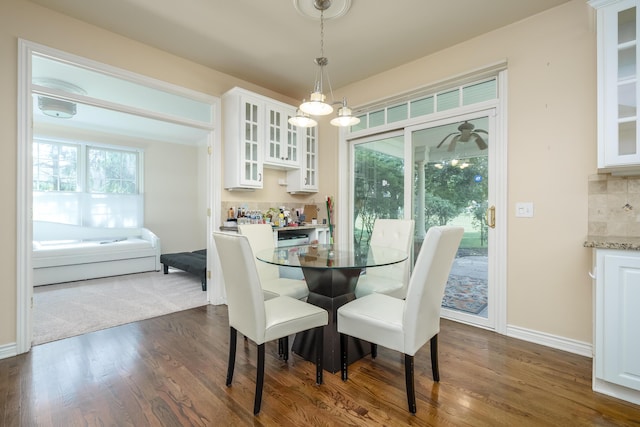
551	142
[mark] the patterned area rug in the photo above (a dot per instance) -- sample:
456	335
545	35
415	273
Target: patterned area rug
465	293
68	309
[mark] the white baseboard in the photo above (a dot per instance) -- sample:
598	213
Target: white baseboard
8	350
553	341
616	391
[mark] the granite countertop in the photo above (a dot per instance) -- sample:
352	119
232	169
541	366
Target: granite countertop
613	242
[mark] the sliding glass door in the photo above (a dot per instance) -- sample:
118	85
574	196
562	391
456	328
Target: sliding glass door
452	186
378	183
438	173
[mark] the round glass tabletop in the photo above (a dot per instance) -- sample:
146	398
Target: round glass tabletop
331	256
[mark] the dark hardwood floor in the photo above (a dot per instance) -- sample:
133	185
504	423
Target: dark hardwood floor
170	371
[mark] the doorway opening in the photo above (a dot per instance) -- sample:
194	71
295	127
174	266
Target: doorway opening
114	107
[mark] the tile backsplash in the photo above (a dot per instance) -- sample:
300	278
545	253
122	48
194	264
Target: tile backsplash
614	205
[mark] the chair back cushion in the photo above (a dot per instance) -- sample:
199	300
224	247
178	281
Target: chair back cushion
397	234
245	299
261	237
421	318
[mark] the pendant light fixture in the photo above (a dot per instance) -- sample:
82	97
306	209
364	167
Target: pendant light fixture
317	104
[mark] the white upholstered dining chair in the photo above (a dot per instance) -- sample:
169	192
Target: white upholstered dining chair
260	237
389	279
405	325
256	318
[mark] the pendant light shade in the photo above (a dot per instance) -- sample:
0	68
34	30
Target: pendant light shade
345	117
302	120
316	106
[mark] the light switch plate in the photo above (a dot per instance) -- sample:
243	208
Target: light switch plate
524	209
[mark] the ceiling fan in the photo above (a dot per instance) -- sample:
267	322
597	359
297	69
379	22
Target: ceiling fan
466	132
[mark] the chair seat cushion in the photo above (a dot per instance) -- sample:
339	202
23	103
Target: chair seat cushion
370	283
287	287
376	318
286	316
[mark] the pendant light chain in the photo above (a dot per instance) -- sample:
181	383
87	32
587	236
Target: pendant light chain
322	33
323	61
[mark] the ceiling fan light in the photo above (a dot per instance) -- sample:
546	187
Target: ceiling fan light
345	118
316	106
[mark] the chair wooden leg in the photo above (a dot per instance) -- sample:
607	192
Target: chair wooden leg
434	358
408	376
284	348
374	350
233	338
344	356
319	353
259	379
280	348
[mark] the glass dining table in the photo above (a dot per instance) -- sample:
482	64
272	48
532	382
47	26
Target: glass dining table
331	273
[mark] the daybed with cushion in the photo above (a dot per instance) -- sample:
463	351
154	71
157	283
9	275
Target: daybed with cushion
65	253
192	262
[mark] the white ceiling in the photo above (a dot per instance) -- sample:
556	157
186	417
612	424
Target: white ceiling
272	45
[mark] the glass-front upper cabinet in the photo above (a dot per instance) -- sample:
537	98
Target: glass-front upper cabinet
243	115
305	179
282	138
618	138
257	135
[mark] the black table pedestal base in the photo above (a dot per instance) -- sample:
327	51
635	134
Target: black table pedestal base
322	293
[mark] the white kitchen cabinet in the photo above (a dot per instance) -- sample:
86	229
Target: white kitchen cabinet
282	145
243	115
257	135
618	89
616	364
305	179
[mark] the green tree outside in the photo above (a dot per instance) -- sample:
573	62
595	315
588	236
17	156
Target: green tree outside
451	191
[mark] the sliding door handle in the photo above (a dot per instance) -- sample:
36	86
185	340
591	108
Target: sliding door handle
490	217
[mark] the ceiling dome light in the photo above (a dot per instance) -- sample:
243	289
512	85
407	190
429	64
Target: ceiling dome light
57	107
